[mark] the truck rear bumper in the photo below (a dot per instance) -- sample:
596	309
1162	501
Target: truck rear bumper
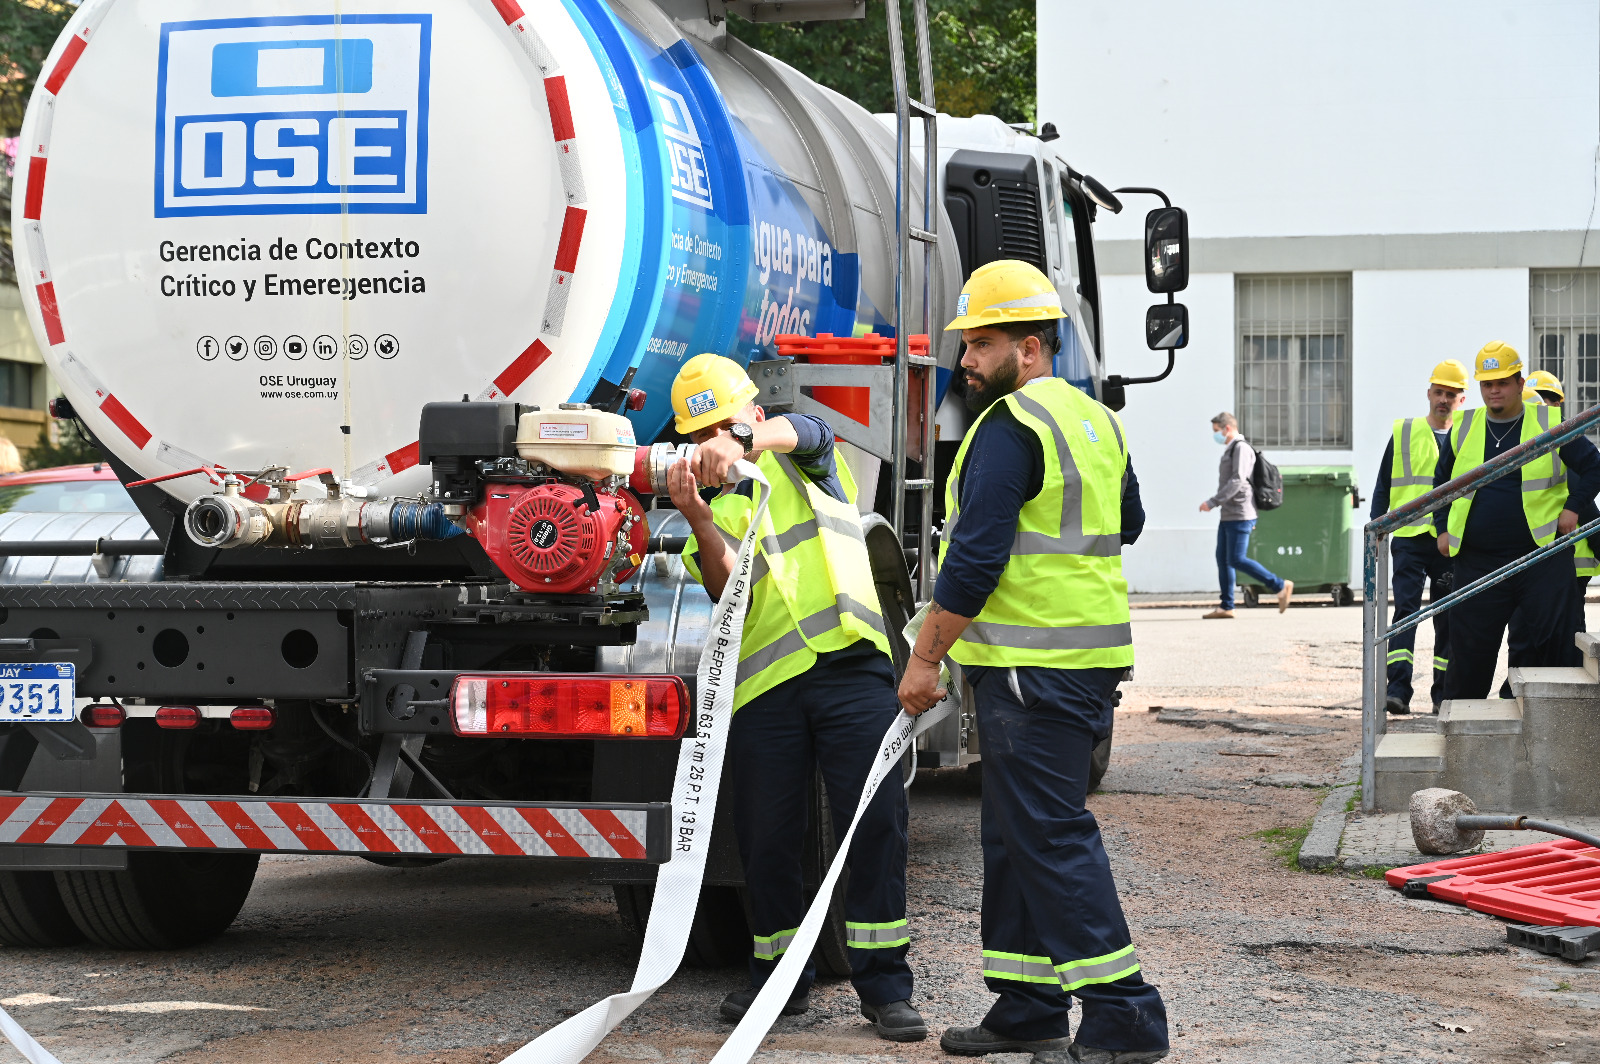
633	833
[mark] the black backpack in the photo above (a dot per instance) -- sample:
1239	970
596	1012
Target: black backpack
1266	484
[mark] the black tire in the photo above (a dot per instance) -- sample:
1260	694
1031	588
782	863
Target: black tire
32	914
161	901
1343	596
1252	596
719	936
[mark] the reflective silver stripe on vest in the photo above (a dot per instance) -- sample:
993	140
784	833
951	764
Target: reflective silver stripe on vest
1406	475
1411	482
1075	637
758	567
1071	539
807	530
1545	530
1543	485
815	626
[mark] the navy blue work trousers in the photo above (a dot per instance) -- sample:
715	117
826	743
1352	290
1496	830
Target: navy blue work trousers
1535	604
833	715
1233	540
1051	917
1415	561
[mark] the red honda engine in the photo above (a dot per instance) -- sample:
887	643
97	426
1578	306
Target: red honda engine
549	537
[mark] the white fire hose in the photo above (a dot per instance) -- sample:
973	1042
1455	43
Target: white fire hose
677	893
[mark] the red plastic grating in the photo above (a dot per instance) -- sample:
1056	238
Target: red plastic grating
1550	883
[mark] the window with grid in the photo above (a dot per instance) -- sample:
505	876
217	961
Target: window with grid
17	383
1294	360
1565	312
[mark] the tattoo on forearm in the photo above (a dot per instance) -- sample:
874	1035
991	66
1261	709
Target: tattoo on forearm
934	607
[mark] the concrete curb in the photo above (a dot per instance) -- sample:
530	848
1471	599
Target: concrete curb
1321	846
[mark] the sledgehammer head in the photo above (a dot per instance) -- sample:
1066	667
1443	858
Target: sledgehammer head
1433	821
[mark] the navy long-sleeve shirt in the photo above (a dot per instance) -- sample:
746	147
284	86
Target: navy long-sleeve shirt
1004	468
1497	524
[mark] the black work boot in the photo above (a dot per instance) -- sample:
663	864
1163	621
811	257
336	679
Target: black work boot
736	1004
976	1041
1394	705
1082	1054
898	1021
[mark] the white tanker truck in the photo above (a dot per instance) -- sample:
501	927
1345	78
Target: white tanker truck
374	307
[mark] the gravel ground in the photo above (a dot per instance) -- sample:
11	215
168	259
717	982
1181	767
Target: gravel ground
337	960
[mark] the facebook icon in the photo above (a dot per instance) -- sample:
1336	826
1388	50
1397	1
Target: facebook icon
293	115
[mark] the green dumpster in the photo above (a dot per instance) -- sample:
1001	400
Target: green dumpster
1307	539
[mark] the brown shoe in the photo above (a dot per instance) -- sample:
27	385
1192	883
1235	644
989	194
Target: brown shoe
1283	596
1218	614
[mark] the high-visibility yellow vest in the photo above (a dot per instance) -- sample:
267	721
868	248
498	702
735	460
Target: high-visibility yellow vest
1585	565
812	588
1062	601
1416	453
1544	480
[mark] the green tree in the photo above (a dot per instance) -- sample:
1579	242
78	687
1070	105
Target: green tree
983	55
27	30
72	447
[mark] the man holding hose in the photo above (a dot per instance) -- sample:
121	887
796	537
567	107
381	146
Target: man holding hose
1032	603
815	684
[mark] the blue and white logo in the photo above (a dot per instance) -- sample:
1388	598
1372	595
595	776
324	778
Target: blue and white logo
702	403
295	115
691	180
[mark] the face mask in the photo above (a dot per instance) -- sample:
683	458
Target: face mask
1219	437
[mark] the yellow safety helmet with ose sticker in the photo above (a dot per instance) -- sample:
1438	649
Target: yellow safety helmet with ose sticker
1497	361
1542	380
1004	291
708	389
1450	373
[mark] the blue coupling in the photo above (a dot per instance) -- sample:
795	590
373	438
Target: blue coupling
416	520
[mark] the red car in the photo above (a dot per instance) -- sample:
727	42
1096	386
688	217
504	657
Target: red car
76	489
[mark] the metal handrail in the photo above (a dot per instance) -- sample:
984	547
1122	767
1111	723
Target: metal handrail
1375	577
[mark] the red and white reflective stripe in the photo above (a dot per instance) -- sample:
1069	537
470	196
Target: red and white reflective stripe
260	825
44	288
555	95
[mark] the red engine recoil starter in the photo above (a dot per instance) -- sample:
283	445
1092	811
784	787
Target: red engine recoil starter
546	538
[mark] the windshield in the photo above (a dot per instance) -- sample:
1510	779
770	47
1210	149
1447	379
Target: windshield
67	497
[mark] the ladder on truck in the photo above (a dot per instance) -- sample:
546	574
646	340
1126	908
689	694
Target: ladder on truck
910	368
913	378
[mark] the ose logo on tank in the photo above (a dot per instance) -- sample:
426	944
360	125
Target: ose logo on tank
294	115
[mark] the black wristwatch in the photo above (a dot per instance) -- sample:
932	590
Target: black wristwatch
742	432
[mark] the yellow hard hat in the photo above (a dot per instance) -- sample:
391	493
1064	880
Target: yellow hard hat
1450	373
1497	361
708	389
1542	380
1005	291
1531	395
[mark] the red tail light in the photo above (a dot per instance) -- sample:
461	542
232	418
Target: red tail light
556	705
104	716
179	718
252	718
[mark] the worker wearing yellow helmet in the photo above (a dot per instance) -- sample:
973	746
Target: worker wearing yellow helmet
1505	519
1547	386
815	687
1406	474
1032	603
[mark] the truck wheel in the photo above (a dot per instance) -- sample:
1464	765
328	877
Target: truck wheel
32	914
719	936
161	901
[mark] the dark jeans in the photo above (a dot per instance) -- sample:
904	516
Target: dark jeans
1048	896
1416	563
1539	630
1233	539
831	716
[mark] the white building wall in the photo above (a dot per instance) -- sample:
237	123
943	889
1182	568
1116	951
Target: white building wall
1375	139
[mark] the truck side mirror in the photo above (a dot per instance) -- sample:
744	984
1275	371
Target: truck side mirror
1166	250
1166	327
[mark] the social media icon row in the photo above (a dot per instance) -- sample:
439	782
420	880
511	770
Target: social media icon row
294	347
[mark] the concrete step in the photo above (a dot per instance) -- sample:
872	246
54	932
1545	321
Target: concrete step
1480	716
1589	646
1553	682
1405	763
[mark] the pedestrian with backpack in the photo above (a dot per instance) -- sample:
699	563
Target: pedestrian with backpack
1245	483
